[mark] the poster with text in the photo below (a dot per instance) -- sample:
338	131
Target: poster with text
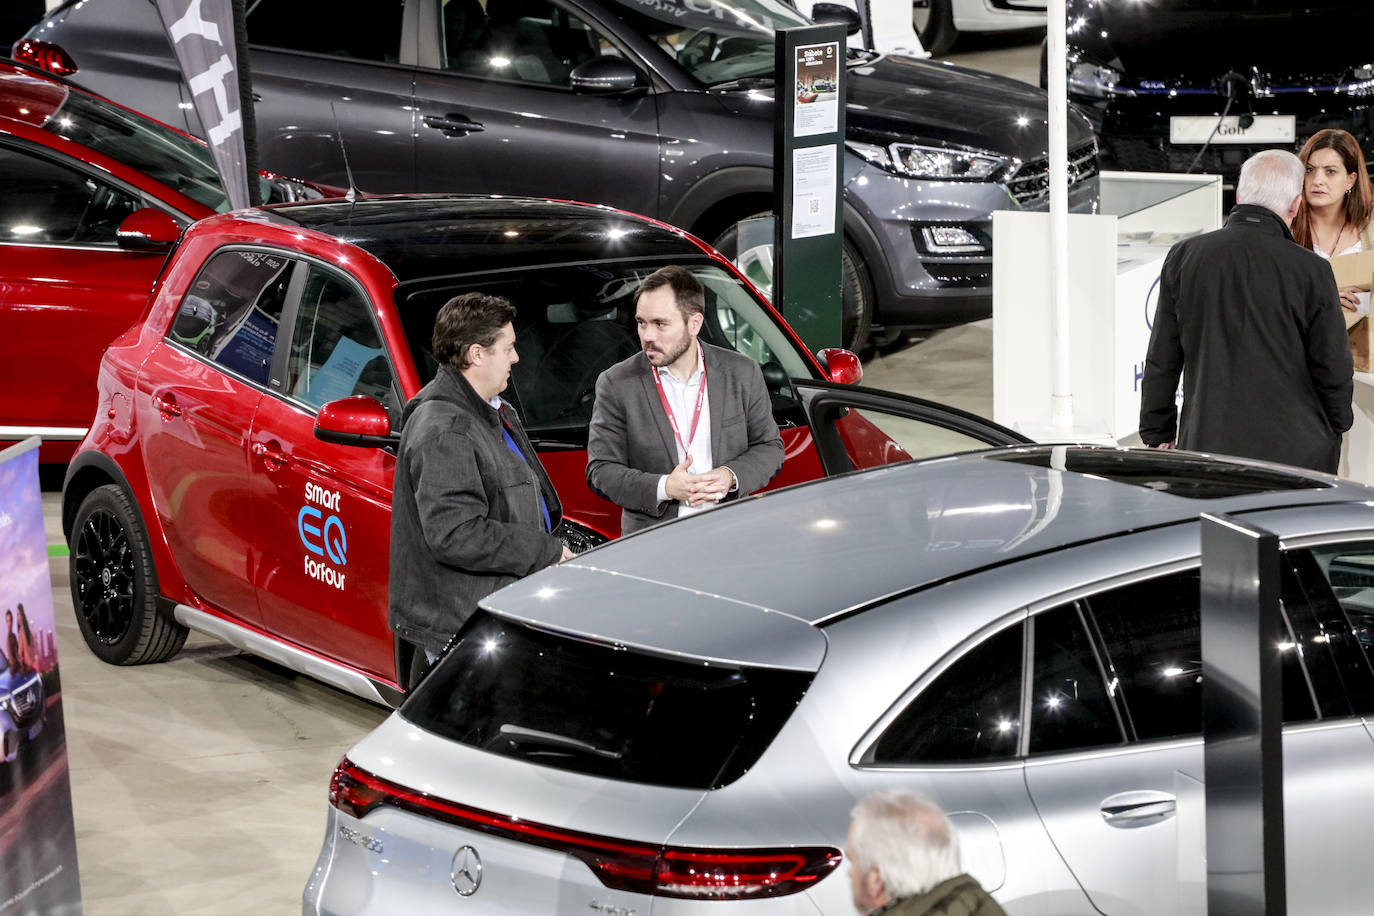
38	871
817	98
813	191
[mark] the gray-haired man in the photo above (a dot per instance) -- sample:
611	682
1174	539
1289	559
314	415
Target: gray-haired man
904	861
1253	324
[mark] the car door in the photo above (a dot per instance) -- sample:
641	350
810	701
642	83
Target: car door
1115	762
497	114
323	517
854	428
197	394
68	289
332	85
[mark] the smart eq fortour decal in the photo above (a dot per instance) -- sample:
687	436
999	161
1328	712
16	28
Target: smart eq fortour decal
322	532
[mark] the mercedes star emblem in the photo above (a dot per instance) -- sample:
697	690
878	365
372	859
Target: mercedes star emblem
467	871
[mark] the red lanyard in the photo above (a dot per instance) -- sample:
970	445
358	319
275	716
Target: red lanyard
696	416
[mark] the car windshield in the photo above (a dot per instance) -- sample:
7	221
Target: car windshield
716	42
157	151
576	320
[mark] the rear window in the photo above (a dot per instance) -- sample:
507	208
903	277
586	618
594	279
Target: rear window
601	710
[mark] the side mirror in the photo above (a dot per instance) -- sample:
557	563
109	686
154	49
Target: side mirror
837	13
357	420
147	229
607	76
840	365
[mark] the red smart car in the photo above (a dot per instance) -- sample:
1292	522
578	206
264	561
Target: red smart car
73	168
237	475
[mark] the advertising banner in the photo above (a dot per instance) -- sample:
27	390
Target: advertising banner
203	37
38	871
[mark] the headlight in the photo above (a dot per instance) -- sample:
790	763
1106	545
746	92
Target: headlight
1095	81
6	702
931	162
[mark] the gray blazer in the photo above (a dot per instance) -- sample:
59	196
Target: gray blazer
630	444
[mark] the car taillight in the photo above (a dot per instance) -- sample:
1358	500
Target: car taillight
642	868
45	55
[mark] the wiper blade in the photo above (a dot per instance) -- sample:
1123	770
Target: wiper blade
521	735
744	82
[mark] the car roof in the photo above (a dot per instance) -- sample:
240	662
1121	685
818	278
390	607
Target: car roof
817	551
425	236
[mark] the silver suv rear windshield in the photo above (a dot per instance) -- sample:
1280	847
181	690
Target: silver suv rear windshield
602	710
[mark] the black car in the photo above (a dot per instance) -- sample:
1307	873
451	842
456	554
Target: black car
661	107
1155	78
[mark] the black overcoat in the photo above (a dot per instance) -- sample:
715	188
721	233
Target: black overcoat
1253	322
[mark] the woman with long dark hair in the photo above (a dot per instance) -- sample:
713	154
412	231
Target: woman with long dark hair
1337	203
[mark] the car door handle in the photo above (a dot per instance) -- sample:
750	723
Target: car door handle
453	125
1138	809
166	405
257	97
272	456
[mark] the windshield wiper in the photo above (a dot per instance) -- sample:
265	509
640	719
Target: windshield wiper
521	735
744	82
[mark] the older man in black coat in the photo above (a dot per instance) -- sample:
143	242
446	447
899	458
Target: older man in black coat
1253	322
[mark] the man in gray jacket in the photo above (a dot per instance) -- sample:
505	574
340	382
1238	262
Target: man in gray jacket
681	425
471	507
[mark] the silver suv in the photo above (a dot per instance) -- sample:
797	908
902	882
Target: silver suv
687	715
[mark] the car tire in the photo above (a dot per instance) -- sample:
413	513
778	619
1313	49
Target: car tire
856	288
935	26
114	583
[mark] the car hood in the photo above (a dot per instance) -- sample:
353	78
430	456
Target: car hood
901	98
1169	38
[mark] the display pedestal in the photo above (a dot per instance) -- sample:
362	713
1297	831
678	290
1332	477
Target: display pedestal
1116	259
1357	451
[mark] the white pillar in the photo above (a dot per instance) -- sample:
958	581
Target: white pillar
1061	396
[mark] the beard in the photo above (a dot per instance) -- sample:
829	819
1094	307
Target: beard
659	356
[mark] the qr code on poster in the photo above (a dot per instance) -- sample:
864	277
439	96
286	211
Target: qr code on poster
813	206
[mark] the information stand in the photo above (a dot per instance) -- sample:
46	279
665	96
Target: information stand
808	151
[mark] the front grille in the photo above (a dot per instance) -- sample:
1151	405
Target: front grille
959	276
1030	184
27	705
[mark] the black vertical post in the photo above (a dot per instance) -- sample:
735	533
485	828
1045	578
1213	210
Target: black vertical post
247	109
1243	637
808	177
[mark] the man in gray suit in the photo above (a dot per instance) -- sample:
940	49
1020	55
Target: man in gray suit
681	425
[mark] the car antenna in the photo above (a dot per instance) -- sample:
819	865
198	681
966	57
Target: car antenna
352	194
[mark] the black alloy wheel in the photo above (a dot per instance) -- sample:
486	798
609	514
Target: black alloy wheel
856	288
114	583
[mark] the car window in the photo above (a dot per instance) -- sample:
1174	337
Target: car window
44	201
336	351
714	41
1152	653
232	310
576	321
356	29
1070	708
1337	611
970	712
530	40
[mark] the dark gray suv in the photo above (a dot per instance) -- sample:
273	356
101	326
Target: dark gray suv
662	107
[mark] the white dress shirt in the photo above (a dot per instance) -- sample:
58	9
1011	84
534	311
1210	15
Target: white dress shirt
682	401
